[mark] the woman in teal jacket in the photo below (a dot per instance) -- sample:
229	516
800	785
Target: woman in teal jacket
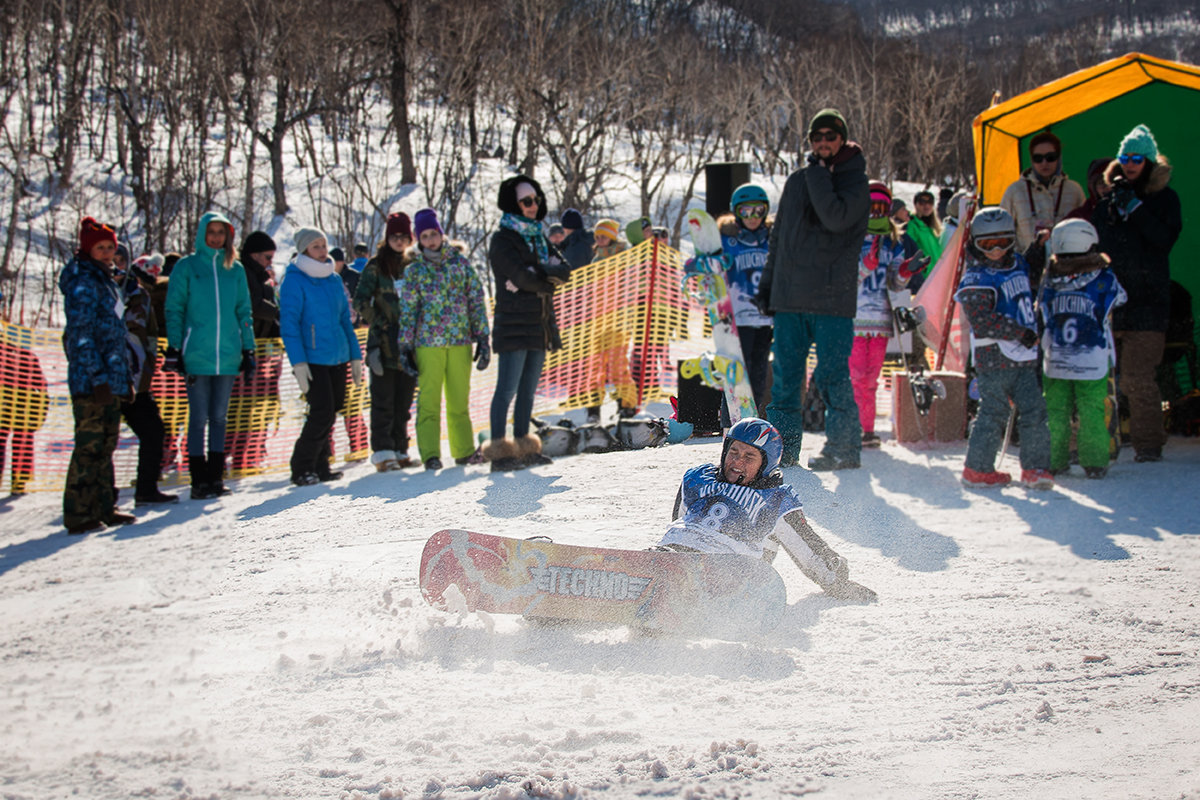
314	321
210	339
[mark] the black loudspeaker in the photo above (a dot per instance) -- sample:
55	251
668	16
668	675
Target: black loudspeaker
699	404
720	179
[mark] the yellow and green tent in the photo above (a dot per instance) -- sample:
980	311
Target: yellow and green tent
1091	111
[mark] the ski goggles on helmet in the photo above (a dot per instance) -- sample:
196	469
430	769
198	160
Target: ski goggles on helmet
1131	158
752	210
994	242
880	208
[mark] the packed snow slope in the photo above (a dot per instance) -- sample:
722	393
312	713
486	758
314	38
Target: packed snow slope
274	644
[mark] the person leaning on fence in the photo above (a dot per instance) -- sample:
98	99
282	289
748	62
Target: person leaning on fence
98	377
607	240
611	343
256	256
810	283
527	269
577	245
1139	222
314	322
442	315
378	305
210	339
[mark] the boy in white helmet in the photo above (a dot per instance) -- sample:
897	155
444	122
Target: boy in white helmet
998	303
1074	306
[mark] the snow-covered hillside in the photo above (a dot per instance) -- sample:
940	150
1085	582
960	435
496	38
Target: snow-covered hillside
274	645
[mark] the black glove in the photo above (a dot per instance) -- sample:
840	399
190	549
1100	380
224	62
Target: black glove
558	274
483	353
1029	338
762	301
248	365
408	363
173	362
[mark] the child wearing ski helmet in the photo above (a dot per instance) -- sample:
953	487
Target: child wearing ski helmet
998	303
742	506
745	234
1074	306
882	268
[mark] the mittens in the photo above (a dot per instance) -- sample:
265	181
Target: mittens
303	376
483	353
173	362
408	363
375	360
248	365
356	371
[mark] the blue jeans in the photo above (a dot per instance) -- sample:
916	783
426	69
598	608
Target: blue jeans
834	337
518	373
208	404
996	388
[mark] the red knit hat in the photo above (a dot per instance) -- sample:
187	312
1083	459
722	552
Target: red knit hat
91	233
399	223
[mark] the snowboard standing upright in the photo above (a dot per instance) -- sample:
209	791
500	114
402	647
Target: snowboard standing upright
717	596
704	279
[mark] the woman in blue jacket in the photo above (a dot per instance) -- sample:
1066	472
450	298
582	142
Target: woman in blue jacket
314	321
210	339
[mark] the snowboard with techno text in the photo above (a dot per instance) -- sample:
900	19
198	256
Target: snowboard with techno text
686	594
704	280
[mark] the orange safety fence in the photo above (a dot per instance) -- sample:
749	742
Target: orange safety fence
624	321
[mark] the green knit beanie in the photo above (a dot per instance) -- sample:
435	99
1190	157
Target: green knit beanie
1140	141
829	118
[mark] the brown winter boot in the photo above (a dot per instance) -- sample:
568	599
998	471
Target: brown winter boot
530	448
503	455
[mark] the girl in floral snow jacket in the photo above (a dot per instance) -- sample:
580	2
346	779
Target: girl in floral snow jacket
442	314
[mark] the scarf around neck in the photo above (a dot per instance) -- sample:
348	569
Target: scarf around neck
531	232
313	268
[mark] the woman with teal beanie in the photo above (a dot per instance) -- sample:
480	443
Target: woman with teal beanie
210	339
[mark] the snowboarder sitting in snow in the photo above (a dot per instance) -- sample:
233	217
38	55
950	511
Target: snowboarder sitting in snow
998	302
742	506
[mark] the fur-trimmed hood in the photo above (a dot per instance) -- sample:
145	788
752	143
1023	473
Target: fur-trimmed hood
1062	266
728	225
1156	181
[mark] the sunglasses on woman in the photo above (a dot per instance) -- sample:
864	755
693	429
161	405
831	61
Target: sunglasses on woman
823	136
1049	158
528	202
752	210
1131	158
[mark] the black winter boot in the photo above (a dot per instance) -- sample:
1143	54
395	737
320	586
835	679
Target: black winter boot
198	469
216	474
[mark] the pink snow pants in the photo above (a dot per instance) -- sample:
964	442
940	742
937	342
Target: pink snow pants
866	361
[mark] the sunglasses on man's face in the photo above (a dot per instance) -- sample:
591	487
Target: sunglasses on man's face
923	201
528	202
993	243
1131	158
1049	158
823	136
752	210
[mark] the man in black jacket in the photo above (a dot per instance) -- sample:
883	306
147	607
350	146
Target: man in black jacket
810	284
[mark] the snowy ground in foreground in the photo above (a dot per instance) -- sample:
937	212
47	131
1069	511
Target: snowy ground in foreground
274	645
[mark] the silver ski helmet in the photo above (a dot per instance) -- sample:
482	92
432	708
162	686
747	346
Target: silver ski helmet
1073	237
760	434
993	227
